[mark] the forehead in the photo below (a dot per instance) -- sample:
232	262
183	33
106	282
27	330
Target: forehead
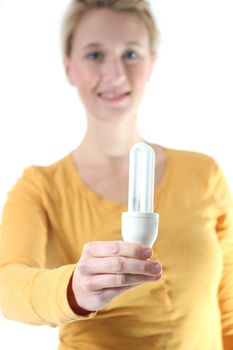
106	25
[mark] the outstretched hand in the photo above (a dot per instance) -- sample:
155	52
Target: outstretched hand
108	269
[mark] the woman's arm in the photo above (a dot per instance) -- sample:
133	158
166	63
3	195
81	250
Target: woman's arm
29	291
224	228
36	295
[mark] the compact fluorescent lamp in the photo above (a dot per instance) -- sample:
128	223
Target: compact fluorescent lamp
140	223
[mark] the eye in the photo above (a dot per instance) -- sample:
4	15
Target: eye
131	55
94	56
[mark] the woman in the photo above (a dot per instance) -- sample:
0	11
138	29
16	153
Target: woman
70	267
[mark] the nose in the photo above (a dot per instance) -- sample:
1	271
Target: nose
114	71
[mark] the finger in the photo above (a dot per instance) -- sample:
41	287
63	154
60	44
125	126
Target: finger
107	295
117	248
118	265
99	282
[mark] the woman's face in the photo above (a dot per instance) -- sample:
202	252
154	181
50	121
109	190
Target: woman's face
110	63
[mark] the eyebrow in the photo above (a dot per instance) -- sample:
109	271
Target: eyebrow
95	45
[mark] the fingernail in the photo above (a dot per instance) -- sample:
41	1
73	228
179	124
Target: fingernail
147	252
156	268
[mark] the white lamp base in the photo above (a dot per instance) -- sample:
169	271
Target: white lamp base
140	227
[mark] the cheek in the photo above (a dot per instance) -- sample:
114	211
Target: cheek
84	78
139	76
140	81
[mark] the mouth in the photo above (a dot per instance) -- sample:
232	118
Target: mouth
113	96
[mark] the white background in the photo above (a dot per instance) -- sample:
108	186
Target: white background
188	104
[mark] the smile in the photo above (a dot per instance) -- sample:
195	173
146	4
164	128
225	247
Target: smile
113	97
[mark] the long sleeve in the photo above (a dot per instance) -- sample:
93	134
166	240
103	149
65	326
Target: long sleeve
224	229
50	214
30	292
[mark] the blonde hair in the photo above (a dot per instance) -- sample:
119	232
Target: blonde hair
78	8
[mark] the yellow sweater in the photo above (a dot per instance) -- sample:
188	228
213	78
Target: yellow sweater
50	214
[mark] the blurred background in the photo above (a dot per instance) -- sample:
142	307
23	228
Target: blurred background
188	103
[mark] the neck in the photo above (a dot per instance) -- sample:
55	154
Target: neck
107	143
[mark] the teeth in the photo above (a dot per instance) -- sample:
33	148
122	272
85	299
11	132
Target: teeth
110	95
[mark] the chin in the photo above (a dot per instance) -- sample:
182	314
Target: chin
114	117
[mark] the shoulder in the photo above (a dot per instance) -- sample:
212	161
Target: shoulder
193	168
191	160
198	174
46	176
190	157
